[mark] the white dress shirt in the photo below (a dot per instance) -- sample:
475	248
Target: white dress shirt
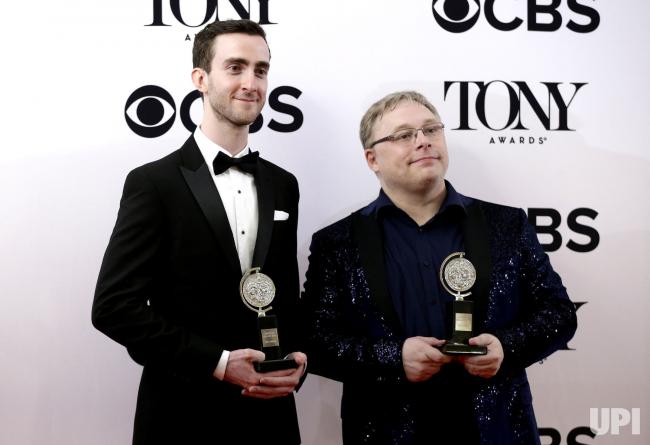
239	197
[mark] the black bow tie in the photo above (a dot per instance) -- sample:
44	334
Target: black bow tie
246	163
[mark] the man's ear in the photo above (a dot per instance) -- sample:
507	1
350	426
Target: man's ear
200	79
371	159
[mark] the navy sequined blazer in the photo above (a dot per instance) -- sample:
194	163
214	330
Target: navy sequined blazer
353	334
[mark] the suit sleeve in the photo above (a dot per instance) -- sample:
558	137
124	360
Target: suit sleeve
548	319
121	307
340	345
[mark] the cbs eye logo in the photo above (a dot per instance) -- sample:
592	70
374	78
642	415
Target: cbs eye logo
456	16
150	111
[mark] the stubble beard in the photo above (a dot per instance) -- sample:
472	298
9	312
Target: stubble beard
228	115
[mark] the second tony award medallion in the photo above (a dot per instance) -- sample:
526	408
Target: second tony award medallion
257	292
457	275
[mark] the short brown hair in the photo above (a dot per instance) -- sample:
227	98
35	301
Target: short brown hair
386	104
202	52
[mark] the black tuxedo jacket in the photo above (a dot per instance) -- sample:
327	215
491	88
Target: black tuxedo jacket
168	290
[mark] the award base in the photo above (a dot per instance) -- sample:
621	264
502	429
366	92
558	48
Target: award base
458	345
275	365
463	349
268	328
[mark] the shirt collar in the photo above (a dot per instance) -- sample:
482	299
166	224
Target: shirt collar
209	149
452	200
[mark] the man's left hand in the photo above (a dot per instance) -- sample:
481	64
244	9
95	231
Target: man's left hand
487	365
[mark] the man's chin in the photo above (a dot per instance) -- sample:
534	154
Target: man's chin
249	116
244	120
426	181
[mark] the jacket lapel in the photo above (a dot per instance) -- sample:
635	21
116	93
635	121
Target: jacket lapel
265	200
198	177
367	234
477	250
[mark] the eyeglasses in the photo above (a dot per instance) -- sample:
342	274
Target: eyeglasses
408	135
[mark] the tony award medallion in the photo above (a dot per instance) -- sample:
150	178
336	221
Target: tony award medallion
457	275
257	291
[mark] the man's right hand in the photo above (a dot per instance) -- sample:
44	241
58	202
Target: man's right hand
240	370
421	359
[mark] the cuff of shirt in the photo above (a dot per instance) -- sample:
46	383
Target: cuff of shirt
220	372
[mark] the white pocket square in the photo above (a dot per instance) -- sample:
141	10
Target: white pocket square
279	215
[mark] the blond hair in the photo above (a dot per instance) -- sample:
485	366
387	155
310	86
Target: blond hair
386	104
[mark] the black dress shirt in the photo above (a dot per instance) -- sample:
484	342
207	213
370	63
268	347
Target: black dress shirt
413	256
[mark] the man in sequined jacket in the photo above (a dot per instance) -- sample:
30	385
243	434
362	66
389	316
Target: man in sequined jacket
376	313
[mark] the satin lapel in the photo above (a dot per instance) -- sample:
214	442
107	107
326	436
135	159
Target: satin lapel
265	200
477	250
199	179
367	234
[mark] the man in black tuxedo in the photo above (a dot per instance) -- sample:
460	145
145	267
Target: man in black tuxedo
189	226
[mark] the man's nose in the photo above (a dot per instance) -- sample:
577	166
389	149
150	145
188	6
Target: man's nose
420	139
249	81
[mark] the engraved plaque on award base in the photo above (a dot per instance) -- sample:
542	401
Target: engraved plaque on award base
257	292
457	275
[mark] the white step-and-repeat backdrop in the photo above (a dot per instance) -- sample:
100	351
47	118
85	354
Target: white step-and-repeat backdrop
546	108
